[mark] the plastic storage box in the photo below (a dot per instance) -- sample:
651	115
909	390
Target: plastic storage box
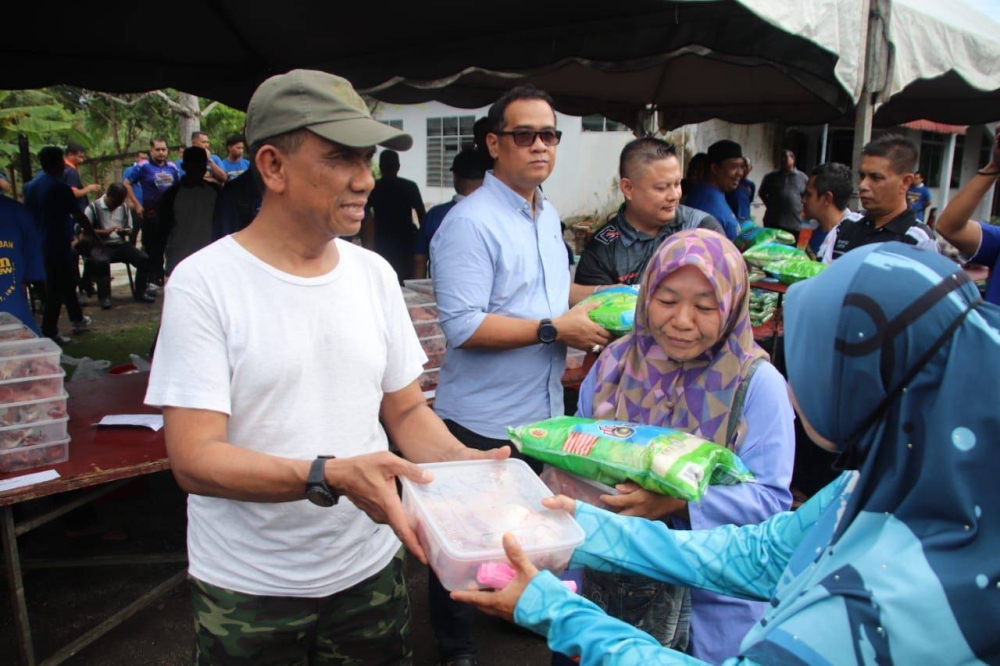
19	332
461	516
38	357
411	297
428	379
25	435
428	329
576	487
31	388
434	347
425	286
7	321
33	411
53	453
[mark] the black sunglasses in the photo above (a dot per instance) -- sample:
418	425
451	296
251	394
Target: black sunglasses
525	138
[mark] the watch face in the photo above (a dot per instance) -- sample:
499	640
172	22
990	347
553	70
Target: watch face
320	497
547	332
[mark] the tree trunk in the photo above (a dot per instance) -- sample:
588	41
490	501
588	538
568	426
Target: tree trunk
116	165
190	120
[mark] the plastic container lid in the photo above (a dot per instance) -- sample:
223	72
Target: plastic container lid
470	505
28	348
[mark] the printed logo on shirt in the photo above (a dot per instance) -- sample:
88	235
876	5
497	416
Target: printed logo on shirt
163	180
608	234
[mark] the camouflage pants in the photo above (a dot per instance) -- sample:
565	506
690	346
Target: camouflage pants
365	624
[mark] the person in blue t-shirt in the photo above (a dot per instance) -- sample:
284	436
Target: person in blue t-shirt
234	164
723	174
216	171
141	157
741	198
154	178
980	241
20	259
918	197
468	170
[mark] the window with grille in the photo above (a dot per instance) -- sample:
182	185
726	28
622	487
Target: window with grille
446	137
598	123
398	124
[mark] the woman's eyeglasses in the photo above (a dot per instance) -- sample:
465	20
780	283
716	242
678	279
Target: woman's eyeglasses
525	138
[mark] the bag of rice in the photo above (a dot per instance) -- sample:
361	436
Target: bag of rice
791	271
757	236
767	253
616	312
661	460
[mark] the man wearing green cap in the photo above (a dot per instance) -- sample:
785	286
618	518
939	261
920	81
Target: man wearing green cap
281	349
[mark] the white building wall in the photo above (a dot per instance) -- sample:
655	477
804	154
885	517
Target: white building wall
584	181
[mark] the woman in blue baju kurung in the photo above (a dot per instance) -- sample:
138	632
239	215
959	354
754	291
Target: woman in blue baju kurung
898	560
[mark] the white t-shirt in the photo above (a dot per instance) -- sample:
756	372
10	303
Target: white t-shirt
300	366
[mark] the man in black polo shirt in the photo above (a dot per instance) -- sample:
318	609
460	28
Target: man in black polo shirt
886	173
650	181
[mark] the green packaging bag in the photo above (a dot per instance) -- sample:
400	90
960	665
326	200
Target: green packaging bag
616	312
767	253
758	236
661	460
791	271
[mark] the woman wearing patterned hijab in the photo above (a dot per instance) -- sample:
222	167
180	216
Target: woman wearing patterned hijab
894	562
689	360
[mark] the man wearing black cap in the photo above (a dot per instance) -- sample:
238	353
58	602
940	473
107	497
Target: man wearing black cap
723	174
285	358
467	171
782	191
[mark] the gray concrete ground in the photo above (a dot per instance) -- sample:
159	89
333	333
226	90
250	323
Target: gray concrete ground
64	602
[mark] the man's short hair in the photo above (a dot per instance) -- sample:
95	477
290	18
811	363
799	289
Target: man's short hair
643	152
195	134
499	107
836	179
287	143
73	148
117	191
724	149
233	140
900	151
155	140
51	159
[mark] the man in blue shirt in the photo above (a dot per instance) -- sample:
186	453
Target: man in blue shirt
216	171
741	199
502	288
234	164
141	157
20	259
723	173
154	178
918	197
54	208
468	170
978	240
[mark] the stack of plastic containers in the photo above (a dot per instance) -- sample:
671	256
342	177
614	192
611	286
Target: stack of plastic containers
461	516
425	318
33	414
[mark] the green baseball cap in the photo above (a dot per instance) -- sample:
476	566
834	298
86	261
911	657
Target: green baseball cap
322	103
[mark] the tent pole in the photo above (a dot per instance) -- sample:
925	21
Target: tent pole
944	188
822	144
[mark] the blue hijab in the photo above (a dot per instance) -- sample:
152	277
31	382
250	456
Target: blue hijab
894	357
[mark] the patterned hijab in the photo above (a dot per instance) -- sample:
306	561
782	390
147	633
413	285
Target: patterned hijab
637	382
892	356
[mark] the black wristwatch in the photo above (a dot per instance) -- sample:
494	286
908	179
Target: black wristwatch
547	331
317	491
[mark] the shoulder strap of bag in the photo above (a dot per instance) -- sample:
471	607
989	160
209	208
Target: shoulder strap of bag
736	413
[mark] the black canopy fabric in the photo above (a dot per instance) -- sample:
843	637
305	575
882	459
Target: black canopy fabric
696	59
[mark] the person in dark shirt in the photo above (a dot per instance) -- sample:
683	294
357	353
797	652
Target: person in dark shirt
74	155
650	180
389	216
886	173
468	170
20	259
52	203
741	198
919	197
186	210
781	191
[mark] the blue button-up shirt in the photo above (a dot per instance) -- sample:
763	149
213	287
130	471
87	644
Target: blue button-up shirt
492	256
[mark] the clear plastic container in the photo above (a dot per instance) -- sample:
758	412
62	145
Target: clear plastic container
428	329
43	455
27	435
576	487
461	516
428	379
32	388
33	411
574	358
434	347
411	297
7	320
19	332
421	312
425	286
38	357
